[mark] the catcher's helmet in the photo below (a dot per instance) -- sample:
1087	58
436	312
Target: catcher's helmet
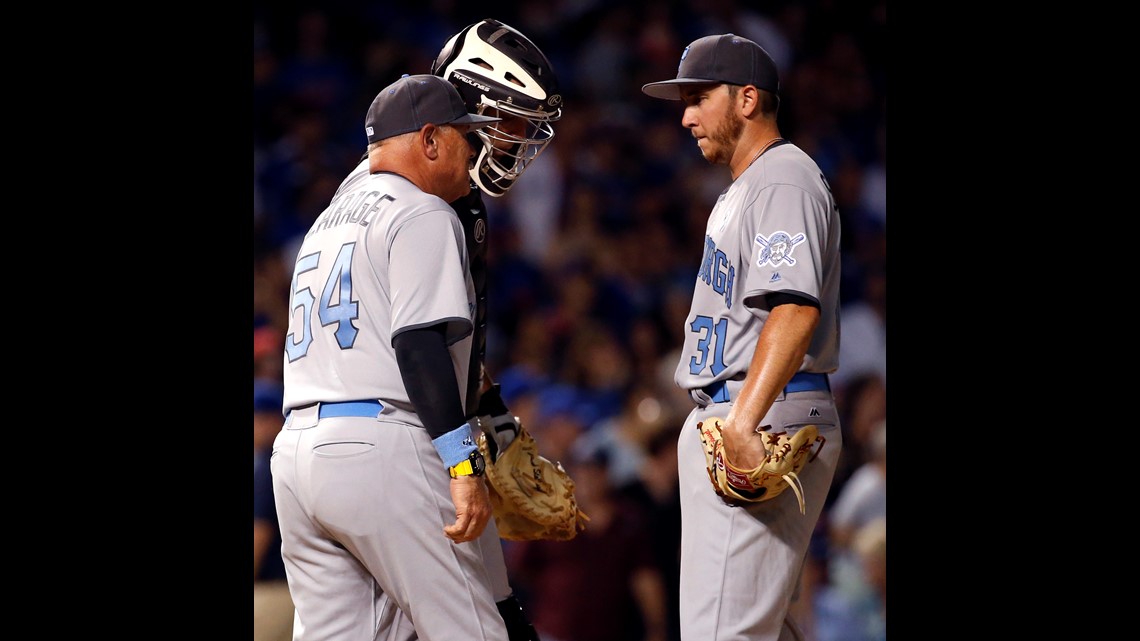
494	66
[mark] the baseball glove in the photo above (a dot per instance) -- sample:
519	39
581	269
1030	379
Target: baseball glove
532	497
787	456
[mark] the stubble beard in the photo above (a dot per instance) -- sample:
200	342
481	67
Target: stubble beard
725	137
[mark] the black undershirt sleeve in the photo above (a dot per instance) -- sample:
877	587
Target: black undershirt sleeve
781	298
427	372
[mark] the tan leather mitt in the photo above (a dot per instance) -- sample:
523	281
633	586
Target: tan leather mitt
532	496
787	456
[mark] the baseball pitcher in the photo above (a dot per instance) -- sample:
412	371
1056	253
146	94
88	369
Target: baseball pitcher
761	337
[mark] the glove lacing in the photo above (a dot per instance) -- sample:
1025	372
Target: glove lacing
781	459
794	481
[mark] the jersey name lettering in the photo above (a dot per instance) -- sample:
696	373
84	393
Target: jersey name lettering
353	207
717	272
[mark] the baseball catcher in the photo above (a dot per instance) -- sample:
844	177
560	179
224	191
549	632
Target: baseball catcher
787	456
532	496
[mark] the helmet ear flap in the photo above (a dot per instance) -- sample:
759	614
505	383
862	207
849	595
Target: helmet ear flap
447	54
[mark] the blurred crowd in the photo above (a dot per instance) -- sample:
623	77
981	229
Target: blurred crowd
592	261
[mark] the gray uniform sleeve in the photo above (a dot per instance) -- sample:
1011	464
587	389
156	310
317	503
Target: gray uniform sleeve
429	278
785	244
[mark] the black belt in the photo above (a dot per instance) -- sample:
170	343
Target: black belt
801	382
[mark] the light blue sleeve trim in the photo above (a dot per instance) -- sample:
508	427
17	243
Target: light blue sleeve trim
455	446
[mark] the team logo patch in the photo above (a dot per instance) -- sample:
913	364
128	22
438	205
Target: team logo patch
777	248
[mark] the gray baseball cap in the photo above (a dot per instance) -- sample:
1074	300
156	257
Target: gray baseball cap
412	102
725	58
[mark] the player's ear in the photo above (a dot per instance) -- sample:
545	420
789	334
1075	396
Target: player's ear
748	100
429	140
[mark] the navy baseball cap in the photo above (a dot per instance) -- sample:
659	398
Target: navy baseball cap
727	59
414	101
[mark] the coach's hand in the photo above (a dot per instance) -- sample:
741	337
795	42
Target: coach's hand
472	508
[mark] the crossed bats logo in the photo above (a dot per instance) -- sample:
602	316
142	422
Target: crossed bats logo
777	248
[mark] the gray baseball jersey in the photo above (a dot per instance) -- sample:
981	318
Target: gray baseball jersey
363	498
382	258
775	229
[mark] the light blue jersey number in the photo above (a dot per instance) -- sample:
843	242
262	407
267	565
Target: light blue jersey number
705	329
340	313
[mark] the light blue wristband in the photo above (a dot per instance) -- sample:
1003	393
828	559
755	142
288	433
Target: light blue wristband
455	446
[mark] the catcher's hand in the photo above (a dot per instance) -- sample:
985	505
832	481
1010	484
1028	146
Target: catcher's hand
786	457
532	497
493	413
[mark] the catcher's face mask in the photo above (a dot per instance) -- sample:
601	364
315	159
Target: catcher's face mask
500	72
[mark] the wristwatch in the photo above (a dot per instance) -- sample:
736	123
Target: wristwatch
472	466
